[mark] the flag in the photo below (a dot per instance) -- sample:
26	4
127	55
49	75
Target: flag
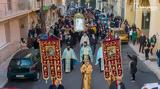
51	58
112	58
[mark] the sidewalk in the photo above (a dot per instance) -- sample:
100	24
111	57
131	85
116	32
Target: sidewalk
3	71
152	65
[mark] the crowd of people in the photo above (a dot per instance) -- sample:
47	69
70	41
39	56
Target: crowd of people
137	37
94	32
97	28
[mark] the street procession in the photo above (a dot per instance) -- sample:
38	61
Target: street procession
79	30
85	46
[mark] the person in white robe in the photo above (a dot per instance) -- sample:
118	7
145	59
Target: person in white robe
84	38
86	50
68	58
99	59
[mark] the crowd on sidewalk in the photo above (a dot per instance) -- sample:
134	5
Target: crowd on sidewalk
137	37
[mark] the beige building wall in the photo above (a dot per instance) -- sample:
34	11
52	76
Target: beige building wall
129	13
138	19
155	21
2	35
15	30
9	47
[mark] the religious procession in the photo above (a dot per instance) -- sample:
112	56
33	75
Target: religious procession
83	30
87	48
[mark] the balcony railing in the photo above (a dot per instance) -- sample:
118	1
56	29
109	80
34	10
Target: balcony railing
11	9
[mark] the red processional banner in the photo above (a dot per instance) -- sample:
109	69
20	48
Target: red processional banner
112	58
51	58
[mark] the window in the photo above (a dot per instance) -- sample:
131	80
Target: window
9	3
145	20
7	32
24	62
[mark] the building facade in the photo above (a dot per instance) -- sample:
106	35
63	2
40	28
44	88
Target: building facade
145	14
17	17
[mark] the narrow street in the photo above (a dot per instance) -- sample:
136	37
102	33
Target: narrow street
44	27
73	80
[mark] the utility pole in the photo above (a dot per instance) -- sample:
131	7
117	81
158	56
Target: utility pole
42	18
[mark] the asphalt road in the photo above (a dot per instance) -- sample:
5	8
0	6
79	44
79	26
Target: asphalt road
73	80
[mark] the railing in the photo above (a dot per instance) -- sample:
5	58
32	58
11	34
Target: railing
9	9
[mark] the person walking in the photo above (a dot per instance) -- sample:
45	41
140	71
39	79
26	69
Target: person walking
153	43
158	56
147	52
133	57
93	42
84	38
142	41
86	50
133	67
86	71
99	58
130	34
134	37
68	58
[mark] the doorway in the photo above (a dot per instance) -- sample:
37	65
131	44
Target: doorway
146	22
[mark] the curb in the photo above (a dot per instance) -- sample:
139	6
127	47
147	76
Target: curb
152	66
3	84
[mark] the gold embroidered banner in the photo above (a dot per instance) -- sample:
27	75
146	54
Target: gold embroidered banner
112	58
51	58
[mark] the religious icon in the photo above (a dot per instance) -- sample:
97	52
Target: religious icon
111	51
50	50
79	22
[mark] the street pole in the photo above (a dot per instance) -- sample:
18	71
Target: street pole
135	10
42	17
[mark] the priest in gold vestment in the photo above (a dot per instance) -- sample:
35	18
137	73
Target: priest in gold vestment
86	71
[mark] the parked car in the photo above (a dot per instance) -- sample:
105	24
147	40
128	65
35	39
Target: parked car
151	86
122	35
25	64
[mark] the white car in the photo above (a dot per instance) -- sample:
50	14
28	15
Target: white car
151	86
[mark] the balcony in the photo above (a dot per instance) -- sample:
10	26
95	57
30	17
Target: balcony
14	9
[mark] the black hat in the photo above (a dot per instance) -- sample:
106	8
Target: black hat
68	44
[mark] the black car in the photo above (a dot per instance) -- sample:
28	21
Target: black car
25	64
